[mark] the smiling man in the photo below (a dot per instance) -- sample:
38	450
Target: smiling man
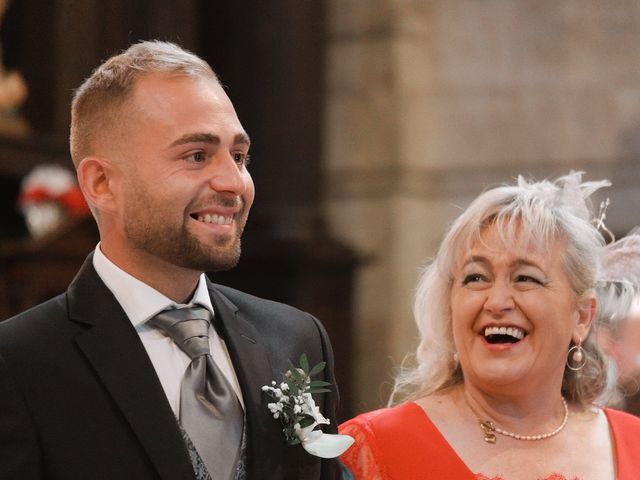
144	368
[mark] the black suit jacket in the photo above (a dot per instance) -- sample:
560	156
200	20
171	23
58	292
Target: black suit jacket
80	399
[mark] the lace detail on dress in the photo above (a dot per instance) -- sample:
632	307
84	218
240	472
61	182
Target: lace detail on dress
553	476
360	459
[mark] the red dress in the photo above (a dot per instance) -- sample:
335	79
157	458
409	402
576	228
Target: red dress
402	443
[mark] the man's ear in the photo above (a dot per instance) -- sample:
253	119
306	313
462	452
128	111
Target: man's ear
95	177
585	316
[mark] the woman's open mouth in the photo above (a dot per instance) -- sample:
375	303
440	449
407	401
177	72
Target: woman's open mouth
496	335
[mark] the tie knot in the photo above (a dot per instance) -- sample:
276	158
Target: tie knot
187	327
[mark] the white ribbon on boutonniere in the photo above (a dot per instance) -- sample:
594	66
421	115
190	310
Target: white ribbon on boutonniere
294	406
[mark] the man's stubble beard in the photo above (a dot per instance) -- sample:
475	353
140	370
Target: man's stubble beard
185	250
176	245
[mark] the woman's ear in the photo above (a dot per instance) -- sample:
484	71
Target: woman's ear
585	315
95	177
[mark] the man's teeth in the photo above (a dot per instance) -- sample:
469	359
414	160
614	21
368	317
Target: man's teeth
511	331
217	219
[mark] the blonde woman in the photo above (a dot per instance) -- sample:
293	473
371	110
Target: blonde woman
507	373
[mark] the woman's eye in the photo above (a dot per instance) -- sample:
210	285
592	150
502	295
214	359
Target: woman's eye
528	279
472	278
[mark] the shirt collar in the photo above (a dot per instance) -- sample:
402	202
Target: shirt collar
138	300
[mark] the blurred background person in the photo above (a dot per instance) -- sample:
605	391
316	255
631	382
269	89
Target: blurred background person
507	370
622	344
618	331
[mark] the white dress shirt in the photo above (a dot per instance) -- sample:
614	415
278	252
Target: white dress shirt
141	302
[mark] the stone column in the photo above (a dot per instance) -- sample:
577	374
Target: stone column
429	102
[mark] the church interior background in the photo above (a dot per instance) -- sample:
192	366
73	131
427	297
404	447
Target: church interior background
373	123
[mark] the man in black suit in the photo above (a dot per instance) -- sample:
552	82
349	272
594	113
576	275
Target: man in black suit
88	388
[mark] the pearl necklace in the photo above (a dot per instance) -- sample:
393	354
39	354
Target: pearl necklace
490	429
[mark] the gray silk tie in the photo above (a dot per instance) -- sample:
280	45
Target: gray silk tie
210	411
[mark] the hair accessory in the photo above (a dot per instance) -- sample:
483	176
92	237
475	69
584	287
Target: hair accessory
576	359
490	429
575	193
599	220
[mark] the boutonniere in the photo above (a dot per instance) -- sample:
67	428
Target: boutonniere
298	413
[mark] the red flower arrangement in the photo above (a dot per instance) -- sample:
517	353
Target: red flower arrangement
49	194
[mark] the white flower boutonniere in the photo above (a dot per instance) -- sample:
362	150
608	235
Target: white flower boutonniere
298	413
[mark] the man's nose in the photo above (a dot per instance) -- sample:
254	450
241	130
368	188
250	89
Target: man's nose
226	175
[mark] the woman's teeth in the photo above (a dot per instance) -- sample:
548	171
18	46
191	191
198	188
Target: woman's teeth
503	334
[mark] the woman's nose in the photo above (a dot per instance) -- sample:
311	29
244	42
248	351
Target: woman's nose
499	298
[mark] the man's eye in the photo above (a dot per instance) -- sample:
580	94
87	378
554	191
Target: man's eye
241	158
197	157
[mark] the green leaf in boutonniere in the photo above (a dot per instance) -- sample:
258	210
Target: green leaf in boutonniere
293	404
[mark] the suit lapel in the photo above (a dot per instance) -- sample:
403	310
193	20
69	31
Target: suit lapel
115	351
253	369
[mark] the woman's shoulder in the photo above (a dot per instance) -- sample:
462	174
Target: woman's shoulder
399	427
385	419
622	419
622	423
399	442
377	435
626	436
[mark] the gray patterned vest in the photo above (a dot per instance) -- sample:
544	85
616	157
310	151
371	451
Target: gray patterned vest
199	468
